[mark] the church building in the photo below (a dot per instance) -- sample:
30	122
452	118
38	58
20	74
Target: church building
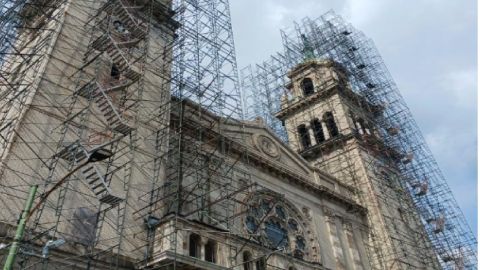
134	175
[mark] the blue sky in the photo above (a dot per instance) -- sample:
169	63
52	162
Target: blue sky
430	48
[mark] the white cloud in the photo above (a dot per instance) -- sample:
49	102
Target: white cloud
462	85
276	14
361	12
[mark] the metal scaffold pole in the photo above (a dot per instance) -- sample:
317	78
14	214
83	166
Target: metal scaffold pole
136	106
20	229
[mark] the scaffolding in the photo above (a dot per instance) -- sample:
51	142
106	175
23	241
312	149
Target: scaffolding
122	111
421	192
115	109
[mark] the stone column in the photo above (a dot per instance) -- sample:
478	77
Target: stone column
325	130
357	237
203	242
311	135
326	250
367	130
359	128
343	242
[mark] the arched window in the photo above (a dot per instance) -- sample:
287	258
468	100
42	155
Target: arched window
318	131
307	86
363	127
115	72
261	264
331	125
247	261
194	245
300	245
211	251
304	136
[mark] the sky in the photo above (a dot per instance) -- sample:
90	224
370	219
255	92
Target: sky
430	49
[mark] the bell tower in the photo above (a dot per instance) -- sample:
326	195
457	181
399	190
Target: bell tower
324	118
308	108
336	130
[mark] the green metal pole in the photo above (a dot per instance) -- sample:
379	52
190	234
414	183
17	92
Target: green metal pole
20	230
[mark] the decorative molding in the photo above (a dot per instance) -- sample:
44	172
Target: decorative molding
328	212
347	226
266	145
307	213
331	215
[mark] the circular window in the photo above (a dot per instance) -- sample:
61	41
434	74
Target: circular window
251	224
276	224
276	234
119	26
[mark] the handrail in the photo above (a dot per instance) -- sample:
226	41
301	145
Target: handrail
109	101
129	15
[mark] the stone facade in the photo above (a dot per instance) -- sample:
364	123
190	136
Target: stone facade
98	83
222	193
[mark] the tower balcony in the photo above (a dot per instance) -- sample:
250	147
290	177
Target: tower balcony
375	144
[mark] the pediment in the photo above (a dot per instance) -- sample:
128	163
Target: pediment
262	141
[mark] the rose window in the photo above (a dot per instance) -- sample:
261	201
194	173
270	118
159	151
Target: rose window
119	27
276	224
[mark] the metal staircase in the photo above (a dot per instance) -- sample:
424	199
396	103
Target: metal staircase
118	40
118	43
97	184
93	90
115	50
114	119
137	28
95	180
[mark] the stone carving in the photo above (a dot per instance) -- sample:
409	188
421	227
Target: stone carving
347	226
267	146
331	215
328	212
306	213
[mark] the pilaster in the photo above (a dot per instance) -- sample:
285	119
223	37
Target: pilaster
326	251
357	236
340	225
325	130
